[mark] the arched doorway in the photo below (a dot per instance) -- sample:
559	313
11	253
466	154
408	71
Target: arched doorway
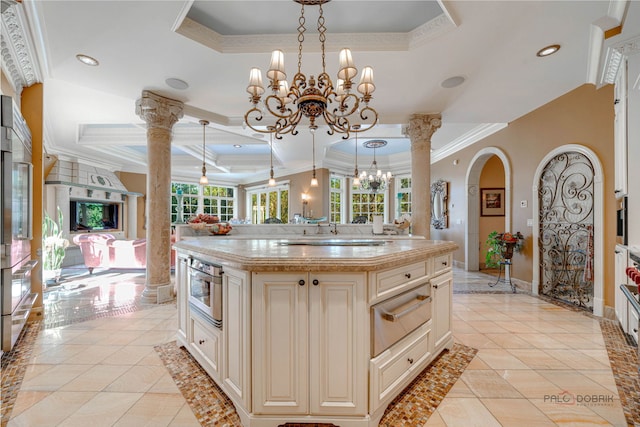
567	232
472	228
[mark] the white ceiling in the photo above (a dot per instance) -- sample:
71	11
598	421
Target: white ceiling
412	46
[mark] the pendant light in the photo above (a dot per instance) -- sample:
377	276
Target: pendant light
272	181
356	176
314	180
203	179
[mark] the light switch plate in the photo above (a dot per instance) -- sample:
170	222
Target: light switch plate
530	223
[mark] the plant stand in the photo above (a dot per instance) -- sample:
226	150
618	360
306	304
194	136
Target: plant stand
506	264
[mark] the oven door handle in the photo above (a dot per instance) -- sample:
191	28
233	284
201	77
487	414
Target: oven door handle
392	317
199	275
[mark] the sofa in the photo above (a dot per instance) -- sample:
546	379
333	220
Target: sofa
105	251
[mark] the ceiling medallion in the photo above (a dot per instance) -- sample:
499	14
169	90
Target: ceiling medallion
314	99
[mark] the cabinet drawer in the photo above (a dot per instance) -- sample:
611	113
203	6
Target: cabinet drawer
396	364
442	263
392	281
633	322
206	345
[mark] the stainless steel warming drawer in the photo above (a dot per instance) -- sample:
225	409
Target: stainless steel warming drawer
398	316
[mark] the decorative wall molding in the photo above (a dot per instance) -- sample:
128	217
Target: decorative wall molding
18	60
615	54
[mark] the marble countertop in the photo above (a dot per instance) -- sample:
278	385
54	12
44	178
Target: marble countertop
274	255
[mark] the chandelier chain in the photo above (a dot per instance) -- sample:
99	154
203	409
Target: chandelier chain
322	37
301	30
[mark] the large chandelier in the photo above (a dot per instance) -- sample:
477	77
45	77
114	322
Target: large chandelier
314	99
374	180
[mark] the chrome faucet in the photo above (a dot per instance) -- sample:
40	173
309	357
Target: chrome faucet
335	228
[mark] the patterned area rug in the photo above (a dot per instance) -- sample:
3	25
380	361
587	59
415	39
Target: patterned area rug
411	408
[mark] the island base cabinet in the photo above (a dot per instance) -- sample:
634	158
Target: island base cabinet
442	291
205	343
309	329
394	368
182	299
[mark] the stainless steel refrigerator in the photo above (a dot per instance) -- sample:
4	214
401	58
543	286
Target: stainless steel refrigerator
16	194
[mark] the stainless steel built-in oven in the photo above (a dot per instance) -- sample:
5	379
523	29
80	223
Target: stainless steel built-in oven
205	289
16	298
398	316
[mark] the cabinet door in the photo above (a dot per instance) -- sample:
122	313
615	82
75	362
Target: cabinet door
620	131
236	326
620	277
182	299
339	351
205	344
442	292
280	343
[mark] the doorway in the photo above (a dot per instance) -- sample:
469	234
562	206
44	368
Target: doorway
472	229
568	248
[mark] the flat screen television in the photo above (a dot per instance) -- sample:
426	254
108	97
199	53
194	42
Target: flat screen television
93	215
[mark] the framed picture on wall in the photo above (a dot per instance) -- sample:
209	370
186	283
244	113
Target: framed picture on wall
492	202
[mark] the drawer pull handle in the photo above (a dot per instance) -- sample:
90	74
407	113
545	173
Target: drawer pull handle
392	317
315	282
410	360
407	275
201	342
301	282
444	263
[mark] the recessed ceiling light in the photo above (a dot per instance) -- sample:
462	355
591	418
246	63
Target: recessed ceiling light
548	50
176	83
87	60
452	82
237	145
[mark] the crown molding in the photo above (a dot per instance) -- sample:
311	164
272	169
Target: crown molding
469	138
615	55
18	56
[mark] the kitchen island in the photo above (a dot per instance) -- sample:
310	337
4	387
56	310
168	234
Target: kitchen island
316	330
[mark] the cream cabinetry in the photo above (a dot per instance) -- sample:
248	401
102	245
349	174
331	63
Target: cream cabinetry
391	369
620	277
442	293
620	131
237	335
386	283
309	343
182	299
205	344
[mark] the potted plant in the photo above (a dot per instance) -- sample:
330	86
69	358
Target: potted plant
54	247
500	246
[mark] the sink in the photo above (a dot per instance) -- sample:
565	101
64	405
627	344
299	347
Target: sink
334	242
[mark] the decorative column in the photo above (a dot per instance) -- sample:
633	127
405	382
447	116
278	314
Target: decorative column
160	114
421	128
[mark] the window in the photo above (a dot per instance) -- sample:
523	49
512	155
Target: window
403	201
270	202
365	203
336	196
209	199
218	201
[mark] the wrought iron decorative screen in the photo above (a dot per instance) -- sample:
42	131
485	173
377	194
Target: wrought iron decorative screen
566	229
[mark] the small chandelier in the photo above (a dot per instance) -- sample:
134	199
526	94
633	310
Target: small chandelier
203	179
374	180
311	98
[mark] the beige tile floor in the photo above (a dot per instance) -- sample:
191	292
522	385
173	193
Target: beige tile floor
537	365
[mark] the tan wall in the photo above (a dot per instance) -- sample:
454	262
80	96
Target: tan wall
137	183
492	176
583	116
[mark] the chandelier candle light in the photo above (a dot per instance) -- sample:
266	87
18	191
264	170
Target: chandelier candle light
203	179
374	180
308	97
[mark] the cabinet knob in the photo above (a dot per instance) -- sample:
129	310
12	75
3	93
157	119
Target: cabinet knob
410	360
435	286
635	330
444	263
407	275
201	342
617	252
301	282
315	282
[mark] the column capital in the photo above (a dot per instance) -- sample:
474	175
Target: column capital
423	126
158	111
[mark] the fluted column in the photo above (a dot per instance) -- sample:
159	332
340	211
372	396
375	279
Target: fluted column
421	128
160	114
